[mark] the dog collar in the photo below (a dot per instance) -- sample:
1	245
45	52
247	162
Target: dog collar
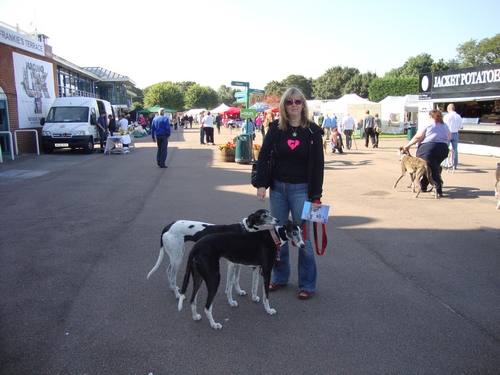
277	242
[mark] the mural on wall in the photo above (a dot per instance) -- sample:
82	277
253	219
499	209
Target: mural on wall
34	88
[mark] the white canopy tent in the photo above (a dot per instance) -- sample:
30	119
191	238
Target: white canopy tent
220	109
195	111
352	104
396	110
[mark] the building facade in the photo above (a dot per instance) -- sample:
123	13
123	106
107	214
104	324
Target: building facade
31	77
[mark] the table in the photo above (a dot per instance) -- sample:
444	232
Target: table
114	144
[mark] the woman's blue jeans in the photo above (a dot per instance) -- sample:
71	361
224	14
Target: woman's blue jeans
285	199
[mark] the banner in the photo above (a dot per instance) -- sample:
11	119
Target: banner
34	88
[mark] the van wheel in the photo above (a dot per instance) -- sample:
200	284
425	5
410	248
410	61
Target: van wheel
47	149
89	147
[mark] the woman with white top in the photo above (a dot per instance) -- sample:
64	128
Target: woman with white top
208	128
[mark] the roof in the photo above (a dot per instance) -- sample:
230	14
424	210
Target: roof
108	75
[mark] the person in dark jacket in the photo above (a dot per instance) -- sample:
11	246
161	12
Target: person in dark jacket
160	132
297	145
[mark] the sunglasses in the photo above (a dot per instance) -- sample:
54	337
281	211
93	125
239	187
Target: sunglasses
289	102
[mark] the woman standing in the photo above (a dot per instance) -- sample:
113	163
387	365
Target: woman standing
208	128
433	148
297	144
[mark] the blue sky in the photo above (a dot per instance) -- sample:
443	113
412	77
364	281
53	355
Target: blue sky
216	42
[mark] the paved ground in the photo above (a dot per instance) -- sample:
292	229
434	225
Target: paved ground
405	286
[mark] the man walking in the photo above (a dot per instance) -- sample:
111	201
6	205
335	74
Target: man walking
454	122
160	132
369	128
348	123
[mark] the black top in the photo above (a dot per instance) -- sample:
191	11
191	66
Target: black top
300	158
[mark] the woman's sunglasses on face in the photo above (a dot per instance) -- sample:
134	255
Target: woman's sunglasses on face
289	102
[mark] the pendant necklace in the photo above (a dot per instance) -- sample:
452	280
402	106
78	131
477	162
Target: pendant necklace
294	130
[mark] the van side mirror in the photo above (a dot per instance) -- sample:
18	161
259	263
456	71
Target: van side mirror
42	121
93	120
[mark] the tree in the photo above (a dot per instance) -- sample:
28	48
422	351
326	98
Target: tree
185	85
226	95
274	88
300	82
359	84
413	67
486	52
201	97
380	88
164	94
331	84
136	105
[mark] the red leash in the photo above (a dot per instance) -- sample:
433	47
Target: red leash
319	251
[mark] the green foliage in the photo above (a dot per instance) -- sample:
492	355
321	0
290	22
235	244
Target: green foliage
226	95
275	88
359	84
184	86
380	88
201	97
164	94
300	82
136	105
485	52
413	67
331	84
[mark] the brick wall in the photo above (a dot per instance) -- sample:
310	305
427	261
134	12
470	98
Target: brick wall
25	140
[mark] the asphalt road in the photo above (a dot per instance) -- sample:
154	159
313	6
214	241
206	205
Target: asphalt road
406	286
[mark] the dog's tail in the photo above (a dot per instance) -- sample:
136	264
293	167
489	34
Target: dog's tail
185	282
158	262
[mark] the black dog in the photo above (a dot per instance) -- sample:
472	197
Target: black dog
251	248
177	233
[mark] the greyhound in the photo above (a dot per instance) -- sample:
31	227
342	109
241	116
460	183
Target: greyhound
251	248
417	168
177	233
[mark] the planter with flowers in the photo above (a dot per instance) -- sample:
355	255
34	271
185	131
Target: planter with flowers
227	151
255	151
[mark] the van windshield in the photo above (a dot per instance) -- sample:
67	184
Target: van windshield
68	114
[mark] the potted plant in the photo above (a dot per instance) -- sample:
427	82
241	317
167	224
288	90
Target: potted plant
227	151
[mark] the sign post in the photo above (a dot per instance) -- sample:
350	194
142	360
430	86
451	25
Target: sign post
244	97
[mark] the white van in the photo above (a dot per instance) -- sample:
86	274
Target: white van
72	122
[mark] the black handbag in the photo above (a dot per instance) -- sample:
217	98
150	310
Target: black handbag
270	173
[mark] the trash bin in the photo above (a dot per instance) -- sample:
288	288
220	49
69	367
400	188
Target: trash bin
243	154
412	130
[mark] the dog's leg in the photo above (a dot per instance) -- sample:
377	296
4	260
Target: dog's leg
418	177
213	281
194	311
231	270
213	324
236	280
255	284
197	280
174	247
400	177
265	295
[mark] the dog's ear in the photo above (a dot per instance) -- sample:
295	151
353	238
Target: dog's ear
251	220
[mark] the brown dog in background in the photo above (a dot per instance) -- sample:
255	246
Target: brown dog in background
417	168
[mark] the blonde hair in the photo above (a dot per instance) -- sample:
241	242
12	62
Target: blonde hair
451	107
304	116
